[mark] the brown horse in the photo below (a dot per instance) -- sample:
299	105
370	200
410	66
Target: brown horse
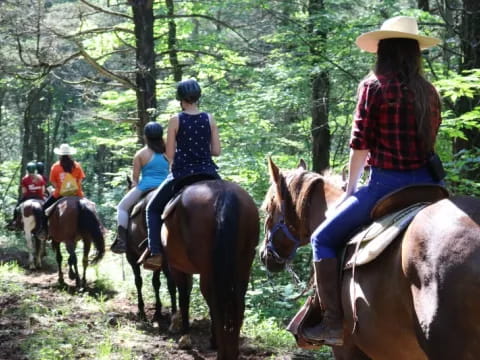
29	218
213	231
418	300
72	219
136	244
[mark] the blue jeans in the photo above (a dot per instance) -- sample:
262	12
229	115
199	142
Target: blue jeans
155	207
162	195
333	233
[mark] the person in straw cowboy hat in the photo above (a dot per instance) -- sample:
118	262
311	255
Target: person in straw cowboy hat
394	129
66	175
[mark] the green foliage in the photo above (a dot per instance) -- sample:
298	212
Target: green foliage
462	167
255	65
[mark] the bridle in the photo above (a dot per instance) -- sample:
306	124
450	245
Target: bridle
283	227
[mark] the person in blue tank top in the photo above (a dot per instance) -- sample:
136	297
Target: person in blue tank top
192	140
151	163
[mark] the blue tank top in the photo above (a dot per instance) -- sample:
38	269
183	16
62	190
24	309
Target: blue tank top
154	172
192	154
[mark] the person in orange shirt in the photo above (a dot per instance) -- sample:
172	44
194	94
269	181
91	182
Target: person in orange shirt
66	175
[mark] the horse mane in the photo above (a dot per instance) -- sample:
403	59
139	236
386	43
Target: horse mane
299	186
296	187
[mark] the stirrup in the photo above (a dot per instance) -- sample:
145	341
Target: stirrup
144	255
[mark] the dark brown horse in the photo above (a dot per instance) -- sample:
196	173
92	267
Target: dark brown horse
418	300
136	244
213	231
29	218
72	219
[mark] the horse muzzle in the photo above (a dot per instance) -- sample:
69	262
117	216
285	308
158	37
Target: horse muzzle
271	261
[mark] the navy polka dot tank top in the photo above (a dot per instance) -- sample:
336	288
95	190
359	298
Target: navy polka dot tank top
192	155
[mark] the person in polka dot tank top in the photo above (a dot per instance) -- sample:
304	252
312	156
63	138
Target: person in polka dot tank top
192	140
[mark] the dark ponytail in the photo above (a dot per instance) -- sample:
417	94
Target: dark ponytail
403	57
67	163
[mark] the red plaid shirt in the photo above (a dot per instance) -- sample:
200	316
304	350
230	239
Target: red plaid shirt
384	123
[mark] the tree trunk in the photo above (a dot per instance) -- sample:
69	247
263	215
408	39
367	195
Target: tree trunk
145	56
172	42
423	5
320	92
470	45
36	109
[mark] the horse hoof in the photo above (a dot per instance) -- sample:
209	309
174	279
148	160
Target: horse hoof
185	342
141	316
175	323
157	316
71	275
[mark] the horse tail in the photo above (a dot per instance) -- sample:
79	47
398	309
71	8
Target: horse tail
224	265
88	221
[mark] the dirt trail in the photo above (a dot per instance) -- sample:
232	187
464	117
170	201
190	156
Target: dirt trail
40	320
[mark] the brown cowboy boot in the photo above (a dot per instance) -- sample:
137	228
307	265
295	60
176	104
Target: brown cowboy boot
153	262
120	244
149	261
330	330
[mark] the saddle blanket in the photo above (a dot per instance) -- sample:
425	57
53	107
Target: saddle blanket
370	242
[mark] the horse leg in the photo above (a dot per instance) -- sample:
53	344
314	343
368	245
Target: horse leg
31	249
72	264
138	284
184	284
172	289
86	250
56	247
158	304
206	292
38	252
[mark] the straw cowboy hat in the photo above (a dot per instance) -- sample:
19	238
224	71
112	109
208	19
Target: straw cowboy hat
397	27
65	149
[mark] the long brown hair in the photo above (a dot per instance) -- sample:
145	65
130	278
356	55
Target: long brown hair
157	145
67	163
403	57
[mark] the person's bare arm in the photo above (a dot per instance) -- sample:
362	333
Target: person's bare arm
171	138
137	167
215	149
355	168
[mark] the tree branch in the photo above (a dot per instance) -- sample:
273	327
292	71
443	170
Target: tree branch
99	31
213	19
105	72
106	11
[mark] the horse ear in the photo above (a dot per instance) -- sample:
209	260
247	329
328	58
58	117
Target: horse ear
275	177
129	182
302	164
274	171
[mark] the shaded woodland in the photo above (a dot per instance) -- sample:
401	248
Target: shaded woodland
280	76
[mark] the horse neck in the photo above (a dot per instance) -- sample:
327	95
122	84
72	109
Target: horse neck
321	196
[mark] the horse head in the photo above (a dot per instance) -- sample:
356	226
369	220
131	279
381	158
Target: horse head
15	224
282	220
290	213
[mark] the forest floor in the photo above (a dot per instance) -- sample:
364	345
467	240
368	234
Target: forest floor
41	320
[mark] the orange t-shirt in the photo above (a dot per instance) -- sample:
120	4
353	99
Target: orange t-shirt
57	175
